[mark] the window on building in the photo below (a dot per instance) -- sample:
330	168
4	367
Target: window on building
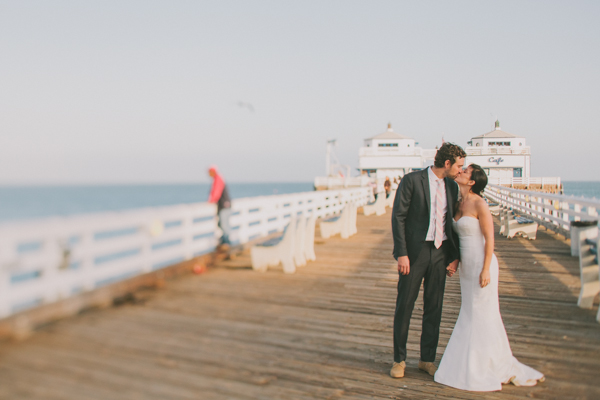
517	172
388	144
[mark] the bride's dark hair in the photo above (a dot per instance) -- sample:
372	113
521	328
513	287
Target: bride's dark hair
478	175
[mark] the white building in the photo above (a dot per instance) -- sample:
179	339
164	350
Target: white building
500	154
391	154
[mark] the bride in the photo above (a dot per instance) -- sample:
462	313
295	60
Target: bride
478	356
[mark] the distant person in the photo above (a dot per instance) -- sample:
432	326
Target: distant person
387	186
395	184
220	195
373	186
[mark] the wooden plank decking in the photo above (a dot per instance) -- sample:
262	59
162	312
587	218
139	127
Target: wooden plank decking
325	332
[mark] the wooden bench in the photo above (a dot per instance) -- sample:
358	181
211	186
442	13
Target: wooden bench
294	247
377	207
588	267
344	223
309	242
515	224
390	200
494	208
502	215
276	250
299	255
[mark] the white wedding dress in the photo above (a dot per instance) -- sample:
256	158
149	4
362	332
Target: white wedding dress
478	355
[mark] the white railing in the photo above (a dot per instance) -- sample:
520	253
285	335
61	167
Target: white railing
334	182
484	151
47	260
526	181
554	211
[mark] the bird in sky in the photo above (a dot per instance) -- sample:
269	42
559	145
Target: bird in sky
248	106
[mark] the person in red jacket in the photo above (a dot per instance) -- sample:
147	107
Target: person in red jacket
220	195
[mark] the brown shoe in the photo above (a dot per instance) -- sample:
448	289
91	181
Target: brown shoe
428	367
397	370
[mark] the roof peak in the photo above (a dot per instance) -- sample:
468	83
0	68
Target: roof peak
390	134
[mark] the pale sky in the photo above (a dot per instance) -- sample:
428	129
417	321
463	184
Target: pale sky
155	91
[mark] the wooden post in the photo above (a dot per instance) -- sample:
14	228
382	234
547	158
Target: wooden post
577	208
7	255
565	216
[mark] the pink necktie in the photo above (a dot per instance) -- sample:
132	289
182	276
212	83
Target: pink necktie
439	216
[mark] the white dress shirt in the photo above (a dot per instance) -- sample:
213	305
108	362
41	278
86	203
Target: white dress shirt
434	181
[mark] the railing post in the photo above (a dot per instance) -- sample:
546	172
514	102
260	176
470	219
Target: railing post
187	234
52	258
153	229
565	216
577	208
575	228
87	260
6	253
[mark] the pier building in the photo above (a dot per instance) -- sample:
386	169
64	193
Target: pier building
391	154
505	157
501	154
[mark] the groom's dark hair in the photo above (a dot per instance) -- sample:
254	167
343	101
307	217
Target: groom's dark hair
448	151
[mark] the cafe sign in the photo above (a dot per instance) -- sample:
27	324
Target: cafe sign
496	160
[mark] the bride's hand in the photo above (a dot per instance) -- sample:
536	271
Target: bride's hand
484	278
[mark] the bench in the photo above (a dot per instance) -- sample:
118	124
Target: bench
390	200
494	208
343	223
502	214
377	207
276	250
309	241
353	215
299	256
349	222
589	271
515	224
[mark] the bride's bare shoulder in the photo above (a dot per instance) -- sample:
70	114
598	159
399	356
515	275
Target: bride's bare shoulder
481	205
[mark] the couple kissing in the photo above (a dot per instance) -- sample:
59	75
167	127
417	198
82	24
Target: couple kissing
433	231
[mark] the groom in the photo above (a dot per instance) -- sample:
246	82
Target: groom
426	248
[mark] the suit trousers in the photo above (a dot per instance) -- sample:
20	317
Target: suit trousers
430	267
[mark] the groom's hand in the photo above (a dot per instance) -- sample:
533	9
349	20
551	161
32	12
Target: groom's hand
452	267
403	265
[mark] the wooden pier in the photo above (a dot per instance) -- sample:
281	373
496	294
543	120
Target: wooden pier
322	333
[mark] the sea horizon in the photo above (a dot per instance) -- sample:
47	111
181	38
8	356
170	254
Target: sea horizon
28	201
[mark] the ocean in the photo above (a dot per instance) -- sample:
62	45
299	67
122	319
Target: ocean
31	202
588	189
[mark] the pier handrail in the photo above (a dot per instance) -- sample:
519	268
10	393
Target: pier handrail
42	261
554	211
526	181
335	182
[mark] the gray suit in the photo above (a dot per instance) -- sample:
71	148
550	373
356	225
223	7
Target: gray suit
410	222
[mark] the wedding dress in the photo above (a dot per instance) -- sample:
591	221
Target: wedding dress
478	356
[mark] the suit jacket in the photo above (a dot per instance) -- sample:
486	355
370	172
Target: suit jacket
411	212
